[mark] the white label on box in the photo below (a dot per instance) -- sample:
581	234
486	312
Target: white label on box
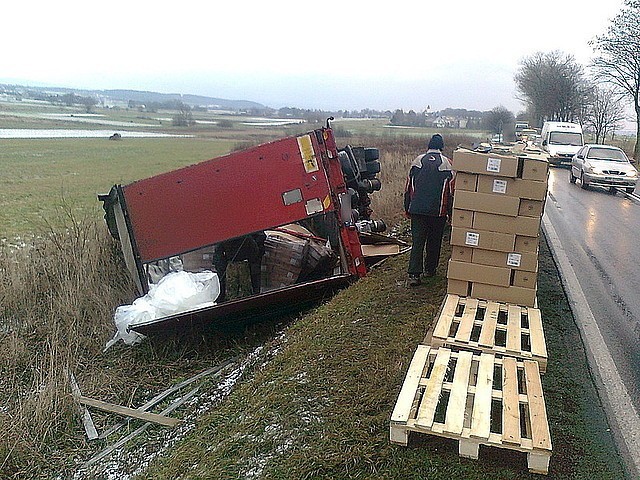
493	165
472	239
499	186
514	259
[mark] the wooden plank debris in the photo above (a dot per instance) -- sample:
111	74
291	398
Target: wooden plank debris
138	431
129	412
87	421
162	395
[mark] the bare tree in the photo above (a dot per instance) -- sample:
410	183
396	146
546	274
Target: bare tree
618	57
89	103
499	120
552	86
605	113
184	117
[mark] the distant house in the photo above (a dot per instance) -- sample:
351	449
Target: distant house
441	122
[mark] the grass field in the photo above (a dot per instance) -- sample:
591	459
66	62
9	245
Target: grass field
41	175
43	179
314	405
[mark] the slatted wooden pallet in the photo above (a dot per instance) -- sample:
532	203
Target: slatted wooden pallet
490	327
477	399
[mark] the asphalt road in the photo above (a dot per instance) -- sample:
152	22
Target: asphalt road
600	233
597	233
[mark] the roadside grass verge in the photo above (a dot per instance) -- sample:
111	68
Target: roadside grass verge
321	408
57	296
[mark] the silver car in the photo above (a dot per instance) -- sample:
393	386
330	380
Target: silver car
603	165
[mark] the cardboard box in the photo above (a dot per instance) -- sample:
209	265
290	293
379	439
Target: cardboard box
534	168
464	237
466	181
464	254
514	295
524	244
461	218
479	273
525	279
485	163
486	202
282	260
459	287
520	225
198	260
511	187
531	208
527	262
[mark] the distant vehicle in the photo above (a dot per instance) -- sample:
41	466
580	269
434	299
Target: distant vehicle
533	138
561	140
519	127
603	165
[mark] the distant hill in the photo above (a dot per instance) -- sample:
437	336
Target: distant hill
193	100
136	96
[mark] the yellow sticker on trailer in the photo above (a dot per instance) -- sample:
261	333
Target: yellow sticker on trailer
307	153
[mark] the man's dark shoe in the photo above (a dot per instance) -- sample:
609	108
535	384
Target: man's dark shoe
414	280
430	274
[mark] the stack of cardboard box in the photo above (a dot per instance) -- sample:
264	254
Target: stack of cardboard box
497	210
282	260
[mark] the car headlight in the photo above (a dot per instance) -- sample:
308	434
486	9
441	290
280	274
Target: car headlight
592	169
632	173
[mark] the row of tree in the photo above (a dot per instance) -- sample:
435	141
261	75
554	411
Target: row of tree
554	86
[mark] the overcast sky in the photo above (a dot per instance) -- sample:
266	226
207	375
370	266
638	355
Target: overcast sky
329	54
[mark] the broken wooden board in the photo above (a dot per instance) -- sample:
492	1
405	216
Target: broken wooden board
87	421
129	412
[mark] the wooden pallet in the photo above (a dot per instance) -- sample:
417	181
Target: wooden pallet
477	399
490	327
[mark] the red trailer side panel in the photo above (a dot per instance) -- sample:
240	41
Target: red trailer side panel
226	197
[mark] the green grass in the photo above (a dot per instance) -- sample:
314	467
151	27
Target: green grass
321	407
379	127
38	176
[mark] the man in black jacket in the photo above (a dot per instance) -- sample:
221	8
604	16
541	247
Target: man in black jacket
428	200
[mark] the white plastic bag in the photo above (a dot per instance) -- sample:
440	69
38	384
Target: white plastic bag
176	292
183	291
125	315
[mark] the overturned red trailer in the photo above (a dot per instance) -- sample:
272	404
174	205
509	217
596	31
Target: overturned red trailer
291	196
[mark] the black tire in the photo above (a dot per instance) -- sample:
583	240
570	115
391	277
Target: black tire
583	185
371	154
373	167
630	189
572	179
349	166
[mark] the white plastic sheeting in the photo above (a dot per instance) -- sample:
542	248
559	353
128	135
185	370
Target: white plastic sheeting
176	292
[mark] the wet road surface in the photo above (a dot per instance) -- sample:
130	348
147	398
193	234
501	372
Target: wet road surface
600	233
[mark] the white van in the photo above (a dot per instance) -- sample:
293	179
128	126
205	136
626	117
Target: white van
561	140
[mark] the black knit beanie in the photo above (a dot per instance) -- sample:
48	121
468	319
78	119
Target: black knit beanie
436	142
